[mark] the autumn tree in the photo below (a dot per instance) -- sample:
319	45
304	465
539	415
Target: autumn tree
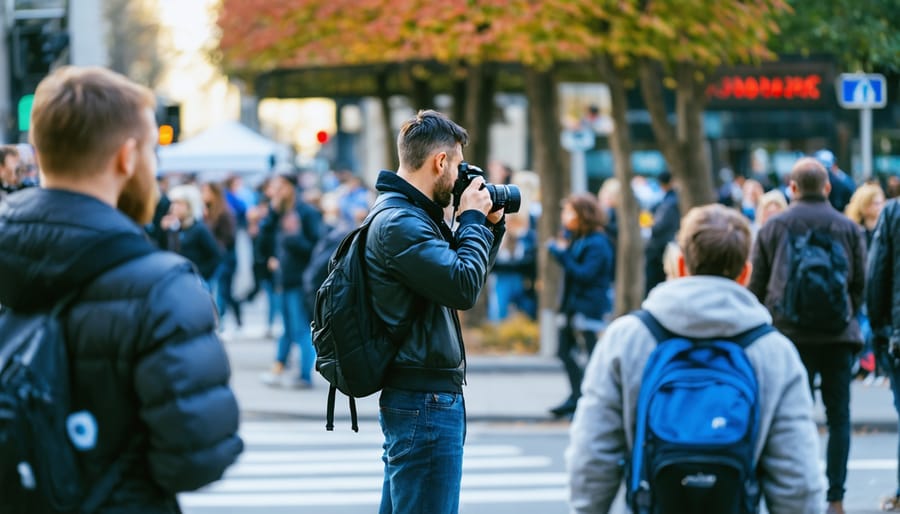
677	44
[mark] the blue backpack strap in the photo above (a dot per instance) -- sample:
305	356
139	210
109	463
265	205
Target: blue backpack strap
745	339
660	333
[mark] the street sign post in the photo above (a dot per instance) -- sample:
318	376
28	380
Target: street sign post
864	92
577	142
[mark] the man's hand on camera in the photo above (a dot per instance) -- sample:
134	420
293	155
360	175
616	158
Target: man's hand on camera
476	198
495	217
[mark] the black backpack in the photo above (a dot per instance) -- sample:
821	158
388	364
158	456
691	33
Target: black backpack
815	295
38	432
353	349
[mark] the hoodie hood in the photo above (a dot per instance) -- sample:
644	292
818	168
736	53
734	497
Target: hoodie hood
42	234
705	307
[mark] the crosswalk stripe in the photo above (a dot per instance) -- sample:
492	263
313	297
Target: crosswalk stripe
555	494
373	482
373	466
373	453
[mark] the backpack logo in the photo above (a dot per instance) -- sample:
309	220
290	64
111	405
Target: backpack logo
697	426
815	295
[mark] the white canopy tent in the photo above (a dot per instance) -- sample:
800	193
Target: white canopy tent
228	147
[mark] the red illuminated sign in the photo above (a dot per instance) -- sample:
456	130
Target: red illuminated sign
791	87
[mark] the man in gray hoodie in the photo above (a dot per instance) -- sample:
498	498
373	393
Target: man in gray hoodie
707	300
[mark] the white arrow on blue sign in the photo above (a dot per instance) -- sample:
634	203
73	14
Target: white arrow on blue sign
862	91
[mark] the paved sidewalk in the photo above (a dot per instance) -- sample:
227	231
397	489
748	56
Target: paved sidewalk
515	388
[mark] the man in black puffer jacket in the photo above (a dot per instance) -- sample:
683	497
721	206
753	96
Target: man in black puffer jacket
145	360
419	274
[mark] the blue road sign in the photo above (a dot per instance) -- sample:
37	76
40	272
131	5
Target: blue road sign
861	90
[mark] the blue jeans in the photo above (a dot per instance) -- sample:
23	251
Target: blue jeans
835	364
424	435
507	287
296	330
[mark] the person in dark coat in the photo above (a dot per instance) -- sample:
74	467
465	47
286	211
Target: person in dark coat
294	226
666	220
586	256
188	235
824	350
147	369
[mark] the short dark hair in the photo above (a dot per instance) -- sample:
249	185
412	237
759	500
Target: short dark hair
810	176
715	240
427	132
587	209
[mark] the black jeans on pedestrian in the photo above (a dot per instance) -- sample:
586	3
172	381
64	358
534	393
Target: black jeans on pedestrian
834	363
571	343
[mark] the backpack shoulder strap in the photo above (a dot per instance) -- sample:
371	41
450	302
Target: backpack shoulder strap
660	333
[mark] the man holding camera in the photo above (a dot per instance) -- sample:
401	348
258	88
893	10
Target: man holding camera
419	274
883	301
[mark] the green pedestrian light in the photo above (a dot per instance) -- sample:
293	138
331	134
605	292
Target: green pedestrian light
25	104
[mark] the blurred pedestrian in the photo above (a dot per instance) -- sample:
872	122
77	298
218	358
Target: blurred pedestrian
222	222
419	274
149	376
294	227
188	235
825	329
587	258
842	185
9	164
263	244
864	208
666	219
770	204
883	300
707	301
515	270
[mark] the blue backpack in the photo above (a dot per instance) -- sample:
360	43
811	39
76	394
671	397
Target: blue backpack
697	426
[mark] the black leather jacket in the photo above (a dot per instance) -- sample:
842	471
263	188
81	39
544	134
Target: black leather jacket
146	361
883	270
419	274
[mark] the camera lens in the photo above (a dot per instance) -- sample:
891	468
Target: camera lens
505	197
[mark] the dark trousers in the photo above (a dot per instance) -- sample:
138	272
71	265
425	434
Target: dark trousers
571	343
834	363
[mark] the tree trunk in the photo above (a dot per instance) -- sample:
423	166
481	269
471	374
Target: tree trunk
390	144
697	187
683	146
480	87
552	165
422	96
459	100
630	245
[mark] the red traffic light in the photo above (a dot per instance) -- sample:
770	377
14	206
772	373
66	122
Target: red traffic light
322	137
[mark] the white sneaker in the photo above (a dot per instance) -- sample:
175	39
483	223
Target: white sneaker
289	381
272	379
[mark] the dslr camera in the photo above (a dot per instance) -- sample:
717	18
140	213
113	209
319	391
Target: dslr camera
503	196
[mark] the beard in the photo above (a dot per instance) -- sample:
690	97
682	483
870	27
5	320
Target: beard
443	190
139	197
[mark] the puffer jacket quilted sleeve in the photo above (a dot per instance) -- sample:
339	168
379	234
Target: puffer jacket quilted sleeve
181	380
